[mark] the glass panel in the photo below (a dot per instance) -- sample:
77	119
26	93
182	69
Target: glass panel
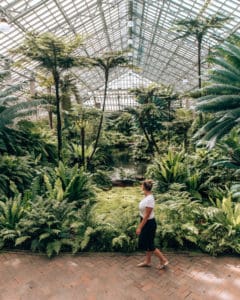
162	57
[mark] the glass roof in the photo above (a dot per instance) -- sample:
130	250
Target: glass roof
145	26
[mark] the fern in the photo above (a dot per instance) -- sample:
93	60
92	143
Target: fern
22	240
86	238
53	248
121	242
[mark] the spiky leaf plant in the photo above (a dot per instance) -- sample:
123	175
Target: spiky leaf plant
11	212
222	96
221	232
168	169
69	183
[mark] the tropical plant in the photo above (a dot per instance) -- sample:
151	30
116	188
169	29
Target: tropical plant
180	127
205	180
121	122
69	183
125	238
140	149
107	62
16	174
230	149
102	158
57	56
221	96
178	219
45	80
221	228
117	210
69	87
155	111
37	141
50	106
168	169
11	212
102	180
49	226
235	192
79	134
11	107
198	28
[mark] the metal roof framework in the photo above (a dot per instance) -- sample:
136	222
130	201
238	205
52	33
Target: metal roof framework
143	26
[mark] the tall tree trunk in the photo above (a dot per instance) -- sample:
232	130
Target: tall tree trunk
199	74
146	134
59	121
185	141
102	115
83	145
50	113
199	62
50	117
154	142
168	126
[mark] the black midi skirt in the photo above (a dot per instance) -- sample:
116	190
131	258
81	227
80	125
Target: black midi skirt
147	235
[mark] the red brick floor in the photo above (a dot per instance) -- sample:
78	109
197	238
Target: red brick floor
116	277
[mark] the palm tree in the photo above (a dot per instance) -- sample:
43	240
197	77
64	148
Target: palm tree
222	96
106	63
55	55
198	28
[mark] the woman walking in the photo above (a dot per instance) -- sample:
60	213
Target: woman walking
147	228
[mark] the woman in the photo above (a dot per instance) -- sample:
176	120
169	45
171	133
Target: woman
147	228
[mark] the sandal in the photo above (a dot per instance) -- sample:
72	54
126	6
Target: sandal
163	266
143	265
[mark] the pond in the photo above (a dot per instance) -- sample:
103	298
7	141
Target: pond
125	167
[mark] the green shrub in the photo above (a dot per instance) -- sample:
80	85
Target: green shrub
48	226
16	174
168	169
72	184
11	212
178	219
221	231
102	180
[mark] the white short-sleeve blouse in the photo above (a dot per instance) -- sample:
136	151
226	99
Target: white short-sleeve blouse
148	201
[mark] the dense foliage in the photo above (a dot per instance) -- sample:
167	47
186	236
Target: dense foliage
49	205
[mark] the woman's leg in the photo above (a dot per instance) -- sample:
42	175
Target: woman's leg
147	261
148	257
160	255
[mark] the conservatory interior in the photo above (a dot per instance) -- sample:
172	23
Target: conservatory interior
97	96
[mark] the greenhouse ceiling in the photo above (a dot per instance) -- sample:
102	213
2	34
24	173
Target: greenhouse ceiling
146	27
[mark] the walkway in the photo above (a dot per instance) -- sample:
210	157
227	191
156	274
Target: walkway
116	277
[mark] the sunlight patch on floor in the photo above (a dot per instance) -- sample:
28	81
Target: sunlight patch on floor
206	277
13	262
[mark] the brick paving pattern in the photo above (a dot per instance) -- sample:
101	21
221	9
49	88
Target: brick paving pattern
116	277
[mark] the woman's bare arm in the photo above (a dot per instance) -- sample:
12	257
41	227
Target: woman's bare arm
148	211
